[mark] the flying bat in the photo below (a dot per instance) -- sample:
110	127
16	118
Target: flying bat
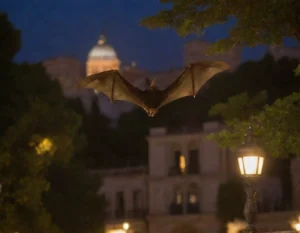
189	82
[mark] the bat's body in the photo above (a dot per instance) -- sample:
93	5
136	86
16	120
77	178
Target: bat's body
113	85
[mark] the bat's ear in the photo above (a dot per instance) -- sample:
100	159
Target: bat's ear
147	82
152	84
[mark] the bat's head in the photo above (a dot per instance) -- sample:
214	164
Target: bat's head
152	84
151	112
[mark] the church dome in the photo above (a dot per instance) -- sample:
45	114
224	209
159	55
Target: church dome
102	50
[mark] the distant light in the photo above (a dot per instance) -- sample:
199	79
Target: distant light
251	164
182	163
44	146
126	226
117	231
297	226
133	64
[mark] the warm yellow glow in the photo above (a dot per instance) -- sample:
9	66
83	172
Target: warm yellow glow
251	165
182	163
296	224
241	165
193	199
117	231
178	198
126	226
44	146
236	226
260	165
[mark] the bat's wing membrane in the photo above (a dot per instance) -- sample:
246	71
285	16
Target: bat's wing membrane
192	79
114	86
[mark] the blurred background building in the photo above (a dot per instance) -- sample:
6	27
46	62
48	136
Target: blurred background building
178	189
103	57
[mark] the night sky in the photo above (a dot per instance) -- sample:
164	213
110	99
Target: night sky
71	28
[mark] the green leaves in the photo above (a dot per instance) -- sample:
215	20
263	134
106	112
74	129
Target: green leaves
36	129
276	126
239	106
297	70
261	22
230	201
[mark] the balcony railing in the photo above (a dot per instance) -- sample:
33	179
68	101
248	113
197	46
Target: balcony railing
122	214
138	213
193	208
174	171
192	170
176	209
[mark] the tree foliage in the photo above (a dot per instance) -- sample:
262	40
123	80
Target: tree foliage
10	40
230	201
73	200
277	126
37	129
257	22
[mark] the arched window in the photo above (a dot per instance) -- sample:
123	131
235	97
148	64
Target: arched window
178	164
176	206
192	198
178	195
193	166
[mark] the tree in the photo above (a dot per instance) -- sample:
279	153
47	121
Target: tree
276	125
36	129
131	137
73	200
99	137
230	201
259	22
10	40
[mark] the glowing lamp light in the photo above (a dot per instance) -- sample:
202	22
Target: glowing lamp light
126	226
297	227
251	160
296	224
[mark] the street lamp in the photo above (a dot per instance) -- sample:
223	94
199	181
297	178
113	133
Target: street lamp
251	161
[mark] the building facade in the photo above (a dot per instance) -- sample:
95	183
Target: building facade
177	191
102	57
196	50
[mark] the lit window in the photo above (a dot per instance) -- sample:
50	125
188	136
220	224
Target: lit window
182	163
192	198
192	193
178	198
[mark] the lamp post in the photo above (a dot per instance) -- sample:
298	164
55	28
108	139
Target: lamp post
250	160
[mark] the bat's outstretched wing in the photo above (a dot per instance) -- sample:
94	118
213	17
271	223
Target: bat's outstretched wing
192	79
114	86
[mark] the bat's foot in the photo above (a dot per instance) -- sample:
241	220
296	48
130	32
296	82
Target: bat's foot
151	112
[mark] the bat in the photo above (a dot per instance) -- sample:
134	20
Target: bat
116	87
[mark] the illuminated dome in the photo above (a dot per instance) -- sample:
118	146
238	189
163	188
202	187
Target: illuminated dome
102	50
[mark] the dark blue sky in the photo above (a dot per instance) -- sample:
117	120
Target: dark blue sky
71	27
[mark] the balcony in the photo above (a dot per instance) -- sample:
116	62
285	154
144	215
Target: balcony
120	213
192	170
193	208
136	214
176	209
174	171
